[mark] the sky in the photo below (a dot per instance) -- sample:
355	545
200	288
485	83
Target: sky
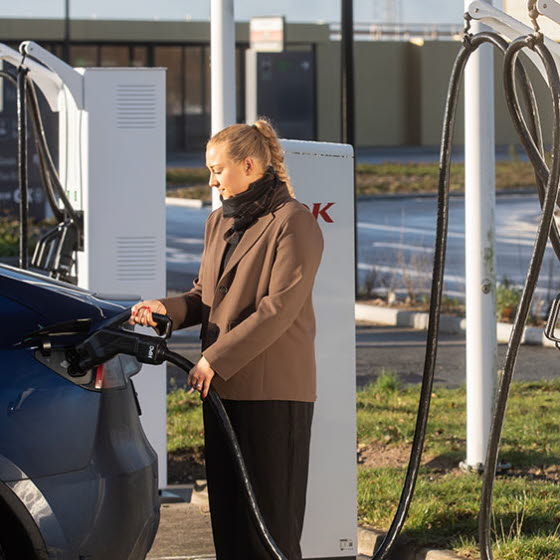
409	11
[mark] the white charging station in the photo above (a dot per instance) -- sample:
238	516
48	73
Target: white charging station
322	175
112	164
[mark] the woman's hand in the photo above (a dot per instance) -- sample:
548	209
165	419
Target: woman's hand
141	313
200	377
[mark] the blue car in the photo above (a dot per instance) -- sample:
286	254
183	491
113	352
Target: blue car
78	478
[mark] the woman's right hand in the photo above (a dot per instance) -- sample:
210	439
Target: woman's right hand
141	313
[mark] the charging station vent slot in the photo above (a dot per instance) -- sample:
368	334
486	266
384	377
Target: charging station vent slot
136	106
136	258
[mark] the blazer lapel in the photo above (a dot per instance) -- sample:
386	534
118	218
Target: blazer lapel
217	252
249	238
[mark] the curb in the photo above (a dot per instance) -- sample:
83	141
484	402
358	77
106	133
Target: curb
452	194
448	323
189	202
200	495
370	539
193	493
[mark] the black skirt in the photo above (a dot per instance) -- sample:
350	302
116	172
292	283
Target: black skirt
274	437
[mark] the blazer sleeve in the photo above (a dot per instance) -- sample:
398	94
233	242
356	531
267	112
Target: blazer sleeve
185	310
299	246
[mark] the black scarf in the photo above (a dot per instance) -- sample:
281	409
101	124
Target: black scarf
246	207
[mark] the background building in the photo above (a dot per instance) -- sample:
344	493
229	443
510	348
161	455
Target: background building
402	74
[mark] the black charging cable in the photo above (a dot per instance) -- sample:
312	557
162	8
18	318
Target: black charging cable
547	186
22	167
109	339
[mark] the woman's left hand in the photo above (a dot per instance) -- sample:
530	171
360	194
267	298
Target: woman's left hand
200	377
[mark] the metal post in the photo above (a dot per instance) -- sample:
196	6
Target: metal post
480	274
222	69
348	99
66	47
347	71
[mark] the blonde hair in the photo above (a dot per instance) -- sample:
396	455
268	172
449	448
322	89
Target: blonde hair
259	141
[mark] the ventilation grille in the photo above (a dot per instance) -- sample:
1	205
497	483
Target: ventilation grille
136	258
136	107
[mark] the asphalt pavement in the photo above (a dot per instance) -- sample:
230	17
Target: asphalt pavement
395	244
403	350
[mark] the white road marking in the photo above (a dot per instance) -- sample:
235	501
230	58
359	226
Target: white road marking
403	247
185	240
409	271
513	240
403	229
175	255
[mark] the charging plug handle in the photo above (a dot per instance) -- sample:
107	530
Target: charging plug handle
164	324
553	320
107	343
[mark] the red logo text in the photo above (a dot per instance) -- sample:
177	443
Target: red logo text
321	210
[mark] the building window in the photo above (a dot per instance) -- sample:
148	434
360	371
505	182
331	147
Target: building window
170	58
139	56
240	83
83	56
194	81
115	56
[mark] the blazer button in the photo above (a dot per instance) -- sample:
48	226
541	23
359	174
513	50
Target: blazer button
223	290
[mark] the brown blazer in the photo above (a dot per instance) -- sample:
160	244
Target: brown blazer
258	325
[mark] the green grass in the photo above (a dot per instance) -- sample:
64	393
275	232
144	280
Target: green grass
184	421
444	511
9	235
445	506
187	176
531	436
386	178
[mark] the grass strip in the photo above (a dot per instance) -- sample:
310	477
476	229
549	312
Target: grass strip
372	179
9	234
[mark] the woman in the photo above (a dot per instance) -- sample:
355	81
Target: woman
261	252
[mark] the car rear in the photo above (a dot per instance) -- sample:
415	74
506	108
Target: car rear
72	448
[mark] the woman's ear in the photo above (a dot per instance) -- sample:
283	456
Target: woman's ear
248	166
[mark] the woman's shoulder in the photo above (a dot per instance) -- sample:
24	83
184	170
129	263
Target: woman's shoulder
293	207
214	217
296	215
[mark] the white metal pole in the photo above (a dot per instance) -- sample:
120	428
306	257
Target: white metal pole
480	274
222	69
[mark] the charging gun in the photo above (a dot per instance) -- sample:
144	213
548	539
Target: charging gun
110	339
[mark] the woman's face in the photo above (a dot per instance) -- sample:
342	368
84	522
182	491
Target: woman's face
230	177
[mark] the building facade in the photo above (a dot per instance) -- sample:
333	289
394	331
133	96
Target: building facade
400	85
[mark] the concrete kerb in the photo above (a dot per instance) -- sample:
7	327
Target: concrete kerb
448	323
188	202
369	540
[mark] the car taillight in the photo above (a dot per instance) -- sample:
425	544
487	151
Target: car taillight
99	377
115	373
